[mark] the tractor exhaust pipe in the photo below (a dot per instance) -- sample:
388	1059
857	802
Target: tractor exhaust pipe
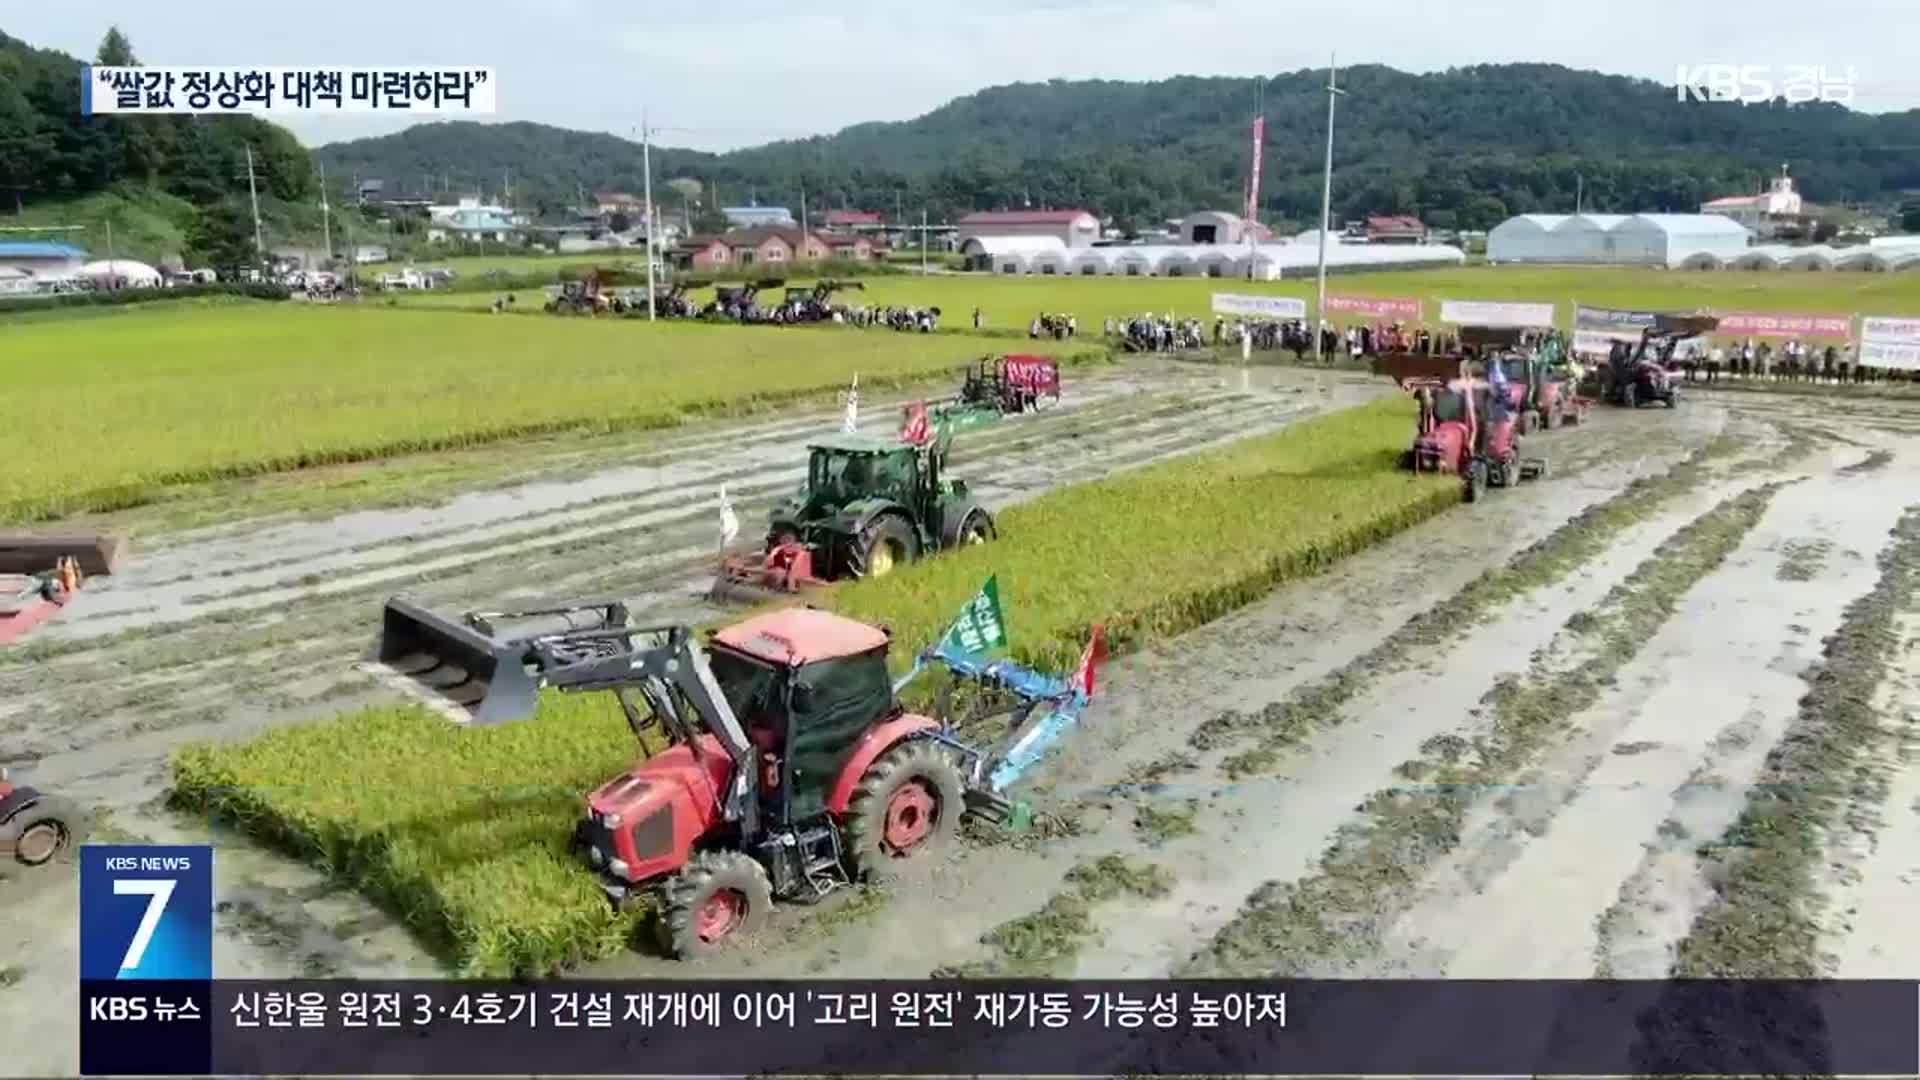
478	670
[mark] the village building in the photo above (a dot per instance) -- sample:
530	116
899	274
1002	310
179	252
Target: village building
1073	228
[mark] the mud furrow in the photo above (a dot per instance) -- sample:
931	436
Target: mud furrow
1765	918
1336	918
92	613
1689	720
1877	865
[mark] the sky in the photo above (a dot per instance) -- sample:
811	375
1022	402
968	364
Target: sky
720	76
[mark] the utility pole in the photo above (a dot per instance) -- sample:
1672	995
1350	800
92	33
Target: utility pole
109	224
923	242
1579	192
646	167
253	193
326	212
1326	208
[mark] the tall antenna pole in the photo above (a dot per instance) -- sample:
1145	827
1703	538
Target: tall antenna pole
1326	206
326	212
646	167
253	193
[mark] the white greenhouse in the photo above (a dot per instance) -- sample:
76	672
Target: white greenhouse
1526	238
1585	238
1674	240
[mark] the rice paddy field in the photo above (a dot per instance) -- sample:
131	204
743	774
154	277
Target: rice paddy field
189	394
466	831
1007	303
1331	749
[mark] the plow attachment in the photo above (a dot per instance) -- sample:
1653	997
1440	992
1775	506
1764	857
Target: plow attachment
782	571
474	670
1044	708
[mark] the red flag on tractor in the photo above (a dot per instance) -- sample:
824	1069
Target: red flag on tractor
916	430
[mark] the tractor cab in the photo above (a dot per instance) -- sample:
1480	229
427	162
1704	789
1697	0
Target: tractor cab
806	686
850	469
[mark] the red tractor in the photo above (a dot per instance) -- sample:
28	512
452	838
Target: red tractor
1455	435
792	767
33	827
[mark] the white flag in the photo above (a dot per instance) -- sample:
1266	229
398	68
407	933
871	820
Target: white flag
729	524
852	423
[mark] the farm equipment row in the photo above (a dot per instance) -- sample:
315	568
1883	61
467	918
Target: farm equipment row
1463	430
792	767
39	575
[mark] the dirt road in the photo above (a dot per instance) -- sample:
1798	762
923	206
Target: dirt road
1550	714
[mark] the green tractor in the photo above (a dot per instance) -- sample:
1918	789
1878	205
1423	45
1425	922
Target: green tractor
869	506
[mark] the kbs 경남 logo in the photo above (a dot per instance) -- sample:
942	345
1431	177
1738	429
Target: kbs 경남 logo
146	912
1756	84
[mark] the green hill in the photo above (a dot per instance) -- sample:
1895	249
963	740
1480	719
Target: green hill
1466	146
161	184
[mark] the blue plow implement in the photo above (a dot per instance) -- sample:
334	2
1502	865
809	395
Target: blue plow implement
1064	700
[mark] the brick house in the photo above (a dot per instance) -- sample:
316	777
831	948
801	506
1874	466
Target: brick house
766	245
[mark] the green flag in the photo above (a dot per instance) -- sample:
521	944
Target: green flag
980	627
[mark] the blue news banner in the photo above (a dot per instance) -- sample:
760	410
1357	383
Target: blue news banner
150	1006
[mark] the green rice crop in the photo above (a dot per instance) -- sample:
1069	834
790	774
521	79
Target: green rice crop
1008	302
129	404
464	833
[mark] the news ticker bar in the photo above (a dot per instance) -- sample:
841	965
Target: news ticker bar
196	90
946	1027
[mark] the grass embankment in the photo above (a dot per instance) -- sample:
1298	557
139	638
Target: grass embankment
183	396
463	833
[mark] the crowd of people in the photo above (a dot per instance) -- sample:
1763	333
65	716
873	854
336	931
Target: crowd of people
1792	361
1058	327
1167	333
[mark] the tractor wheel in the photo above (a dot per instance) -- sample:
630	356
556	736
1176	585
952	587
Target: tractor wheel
1630	396
39	834
908	803
718	897
1528	421
885	545
1406	460
976	529
1556	417
1476	482
1510	470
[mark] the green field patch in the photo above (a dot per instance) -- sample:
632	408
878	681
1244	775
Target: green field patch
464	833
181	395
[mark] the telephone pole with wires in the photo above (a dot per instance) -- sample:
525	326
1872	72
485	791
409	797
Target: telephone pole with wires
1334	93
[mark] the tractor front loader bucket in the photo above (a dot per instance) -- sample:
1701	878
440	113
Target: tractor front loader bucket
785	570
1406	367
96	554
473	671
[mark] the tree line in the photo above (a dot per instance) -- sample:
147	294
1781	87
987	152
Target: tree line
1462	148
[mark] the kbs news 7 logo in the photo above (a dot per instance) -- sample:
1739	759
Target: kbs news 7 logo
1755	84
